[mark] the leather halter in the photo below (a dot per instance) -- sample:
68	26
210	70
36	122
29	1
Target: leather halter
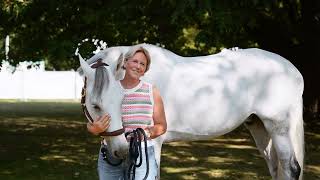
84	107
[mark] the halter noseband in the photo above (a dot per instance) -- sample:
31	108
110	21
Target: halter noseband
84	107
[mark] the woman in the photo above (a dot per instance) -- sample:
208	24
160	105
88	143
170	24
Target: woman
142	107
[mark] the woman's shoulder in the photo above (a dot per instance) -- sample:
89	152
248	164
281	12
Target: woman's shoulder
148	84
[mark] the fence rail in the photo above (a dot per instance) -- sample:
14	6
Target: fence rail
25	85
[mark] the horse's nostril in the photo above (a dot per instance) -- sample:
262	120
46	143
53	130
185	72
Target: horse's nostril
116	154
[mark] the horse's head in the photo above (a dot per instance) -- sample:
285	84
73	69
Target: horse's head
102	94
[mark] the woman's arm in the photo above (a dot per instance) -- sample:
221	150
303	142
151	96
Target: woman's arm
159	117
99	125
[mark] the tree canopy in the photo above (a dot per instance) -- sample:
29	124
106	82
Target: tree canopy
51	29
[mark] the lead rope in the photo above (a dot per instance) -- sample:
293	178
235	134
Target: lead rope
135	150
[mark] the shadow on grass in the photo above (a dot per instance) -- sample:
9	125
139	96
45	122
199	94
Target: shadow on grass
227	157
49	141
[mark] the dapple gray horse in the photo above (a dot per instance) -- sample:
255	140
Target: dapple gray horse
208	96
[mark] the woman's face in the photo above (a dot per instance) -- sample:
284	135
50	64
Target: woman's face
136	65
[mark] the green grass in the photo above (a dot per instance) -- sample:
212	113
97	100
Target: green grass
48	140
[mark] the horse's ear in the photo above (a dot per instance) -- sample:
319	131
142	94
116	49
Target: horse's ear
87	70
120	71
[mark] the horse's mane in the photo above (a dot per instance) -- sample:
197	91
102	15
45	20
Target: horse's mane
101	81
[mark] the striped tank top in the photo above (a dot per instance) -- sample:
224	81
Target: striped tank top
137	107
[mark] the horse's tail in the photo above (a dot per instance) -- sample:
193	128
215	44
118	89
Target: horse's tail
297	132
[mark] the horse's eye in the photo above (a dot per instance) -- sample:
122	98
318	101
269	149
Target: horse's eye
96	107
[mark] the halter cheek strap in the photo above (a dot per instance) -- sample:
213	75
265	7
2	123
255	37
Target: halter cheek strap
83	101
85	109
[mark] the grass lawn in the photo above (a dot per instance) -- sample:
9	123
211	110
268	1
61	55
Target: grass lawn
48	140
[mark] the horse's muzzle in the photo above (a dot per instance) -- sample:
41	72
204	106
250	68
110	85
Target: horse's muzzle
118	146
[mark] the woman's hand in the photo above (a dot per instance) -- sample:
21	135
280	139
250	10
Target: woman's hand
100	125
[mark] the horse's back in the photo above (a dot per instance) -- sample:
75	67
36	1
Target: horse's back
266	66
278	84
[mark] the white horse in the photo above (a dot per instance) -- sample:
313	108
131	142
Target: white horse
208	96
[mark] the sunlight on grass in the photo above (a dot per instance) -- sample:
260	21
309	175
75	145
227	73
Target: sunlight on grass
218	142
6	172
217	173
182	170
180	144
171	157
314	135
237	146
224	144
57	157
231	140
313	169
223	160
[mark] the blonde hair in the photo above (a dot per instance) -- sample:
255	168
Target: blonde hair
135	49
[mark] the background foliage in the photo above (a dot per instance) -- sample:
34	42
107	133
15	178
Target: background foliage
51	29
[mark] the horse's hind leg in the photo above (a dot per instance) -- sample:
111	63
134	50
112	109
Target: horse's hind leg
263	143
279	132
